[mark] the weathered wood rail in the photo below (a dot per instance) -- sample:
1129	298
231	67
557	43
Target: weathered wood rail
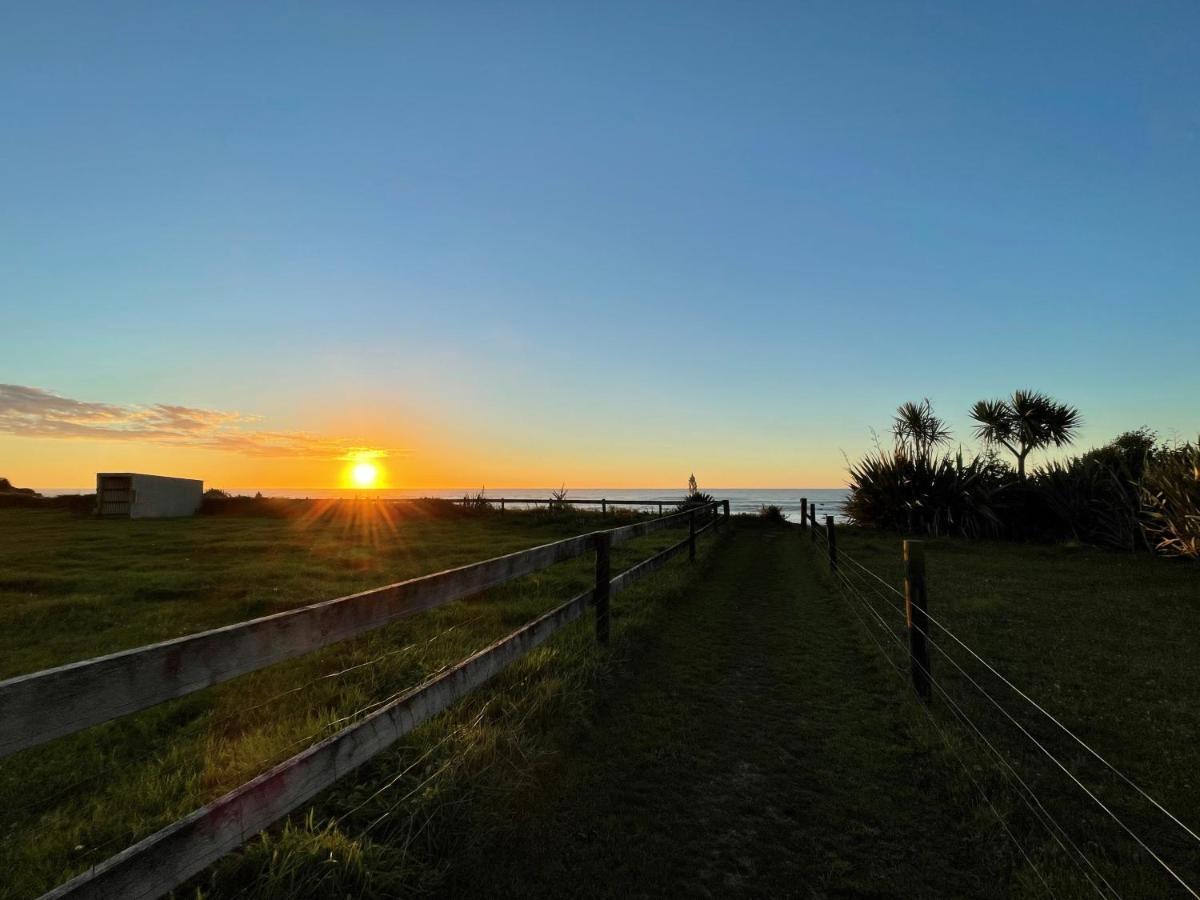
603	503
38	707
55	702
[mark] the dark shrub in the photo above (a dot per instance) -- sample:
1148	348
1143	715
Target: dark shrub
771	513
926	495
695	496
475	503
1091	499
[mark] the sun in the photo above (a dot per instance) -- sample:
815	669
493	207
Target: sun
364	474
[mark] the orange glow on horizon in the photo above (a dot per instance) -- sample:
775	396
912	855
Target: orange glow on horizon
443	464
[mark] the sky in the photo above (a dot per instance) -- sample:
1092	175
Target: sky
594	244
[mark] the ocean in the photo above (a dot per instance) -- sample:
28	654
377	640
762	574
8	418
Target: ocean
829	501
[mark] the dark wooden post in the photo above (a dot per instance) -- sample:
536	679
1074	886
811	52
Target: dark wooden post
660	509
803	513
916	611
603	580
692	535
726	505
831	539
603	507
812	522
501	504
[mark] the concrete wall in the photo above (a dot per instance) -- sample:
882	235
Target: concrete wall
157	496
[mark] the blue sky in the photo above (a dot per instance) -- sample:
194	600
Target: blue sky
602	241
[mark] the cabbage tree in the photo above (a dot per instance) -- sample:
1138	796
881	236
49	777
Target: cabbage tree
1024	422
918	430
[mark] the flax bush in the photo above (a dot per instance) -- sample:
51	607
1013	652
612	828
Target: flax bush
1171	498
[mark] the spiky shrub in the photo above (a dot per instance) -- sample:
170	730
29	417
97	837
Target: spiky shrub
1096	497
1171	496
695	496
771	513
477	502
558	499
937	495
1092	500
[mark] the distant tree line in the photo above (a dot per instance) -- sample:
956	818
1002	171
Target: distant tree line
1134	492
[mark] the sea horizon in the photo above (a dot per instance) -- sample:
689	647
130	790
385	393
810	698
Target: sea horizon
741	500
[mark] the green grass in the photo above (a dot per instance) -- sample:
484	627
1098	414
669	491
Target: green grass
1106	642
741	734
752	746
74	588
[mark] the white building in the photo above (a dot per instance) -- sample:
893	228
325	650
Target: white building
133	496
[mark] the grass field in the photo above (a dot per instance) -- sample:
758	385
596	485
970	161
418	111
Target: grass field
742	733
1107	643
85	587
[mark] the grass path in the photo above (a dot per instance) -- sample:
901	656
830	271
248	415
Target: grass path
755	746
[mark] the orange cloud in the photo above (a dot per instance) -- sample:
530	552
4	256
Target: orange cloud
37	413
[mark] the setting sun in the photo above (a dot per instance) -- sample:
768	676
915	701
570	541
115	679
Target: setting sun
364	474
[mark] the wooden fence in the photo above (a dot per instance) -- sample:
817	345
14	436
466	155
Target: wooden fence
44	705
502	502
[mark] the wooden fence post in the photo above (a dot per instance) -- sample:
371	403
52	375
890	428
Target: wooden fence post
660	509
803	513
726	504
501	504
604	507
812	522
692	536
603	584
831	539
916	612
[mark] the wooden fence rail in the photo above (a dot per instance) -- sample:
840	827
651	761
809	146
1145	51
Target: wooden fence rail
574	501
162	861
167	858
38	707
603	502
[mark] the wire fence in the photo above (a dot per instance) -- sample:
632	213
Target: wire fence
886	614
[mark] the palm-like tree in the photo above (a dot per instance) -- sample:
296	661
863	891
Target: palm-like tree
1025	422
917	429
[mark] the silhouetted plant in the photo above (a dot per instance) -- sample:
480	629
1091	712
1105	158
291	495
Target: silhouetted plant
1090	500
695	496
917	429
476	502
771	513
1097	497
925	495
1025	422
557	498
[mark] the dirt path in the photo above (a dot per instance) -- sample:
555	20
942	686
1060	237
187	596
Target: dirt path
755	749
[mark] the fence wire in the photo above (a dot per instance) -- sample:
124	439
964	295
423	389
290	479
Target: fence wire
867	590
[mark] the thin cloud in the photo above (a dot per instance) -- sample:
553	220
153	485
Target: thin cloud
34	412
